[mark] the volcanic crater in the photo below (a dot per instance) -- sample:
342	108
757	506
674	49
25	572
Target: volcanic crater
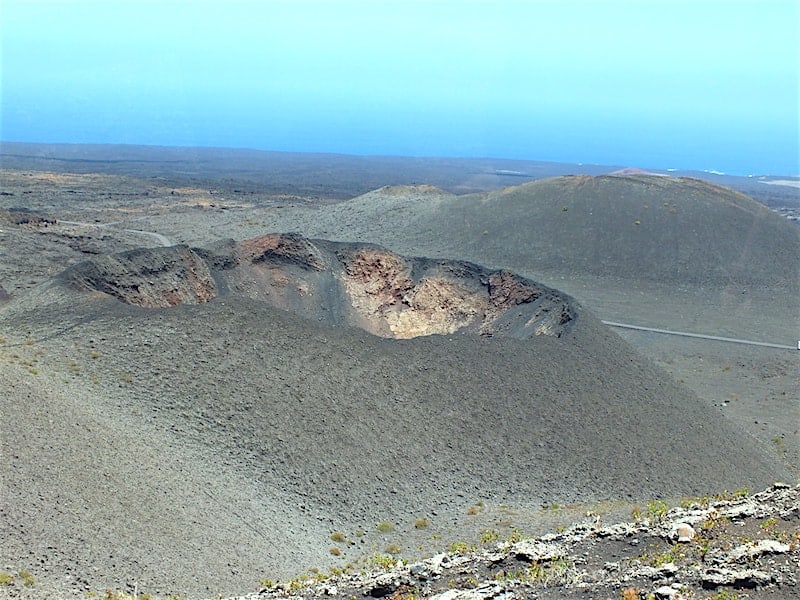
353	284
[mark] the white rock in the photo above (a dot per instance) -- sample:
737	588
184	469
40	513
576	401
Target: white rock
683	532
535	551
437	561
750	578
666	591
757	549
484	592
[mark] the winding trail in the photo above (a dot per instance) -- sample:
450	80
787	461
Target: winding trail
700	335
162	239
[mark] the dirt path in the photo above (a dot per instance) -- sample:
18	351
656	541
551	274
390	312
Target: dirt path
699	335
163	240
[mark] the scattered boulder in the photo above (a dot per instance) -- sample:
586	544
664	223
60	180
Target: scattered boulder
683	533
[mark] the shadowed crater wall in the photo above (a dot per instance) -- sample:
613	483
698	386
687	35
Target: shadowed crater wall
149	277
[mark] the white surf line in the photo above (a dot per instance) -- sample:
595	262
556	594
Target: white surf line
163	240
701	335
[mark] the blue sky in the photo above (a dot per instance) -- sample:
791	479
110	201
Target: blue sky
679	84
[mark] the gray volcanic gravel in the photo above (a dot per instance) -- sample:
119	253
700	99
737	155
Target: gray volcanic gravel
244	435
198	449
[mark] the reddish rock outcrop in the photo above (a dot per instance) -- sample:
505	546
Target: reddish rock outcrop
289	247
392	295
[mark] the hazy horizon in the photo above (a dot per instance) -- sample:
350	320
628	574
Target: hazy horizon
685	85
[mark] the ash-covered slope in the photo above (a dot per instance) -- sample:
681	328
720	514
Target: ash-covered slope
636	227
332	428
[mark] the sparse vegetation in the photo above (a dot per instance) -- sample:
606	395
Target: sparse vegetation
384	562
461	548
6	579
335	551
780	446
385	527
26	578
393	549
422	523
489	536
515	536
673	554
656	511
475	508
110	594
338	537
724	595
542	573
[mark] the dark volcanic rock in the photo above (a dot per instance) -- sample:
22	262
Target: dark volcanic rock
277	248
149	277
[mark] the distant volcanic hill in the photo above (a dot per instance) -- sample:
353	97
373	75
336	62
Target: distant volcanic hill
636	227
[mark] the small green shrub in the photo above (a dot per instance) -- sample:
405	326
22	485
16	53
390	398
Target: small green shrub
383	561
385	527
489	536
393	549
460	548
724	595
422	523
656	510
515	536
338	537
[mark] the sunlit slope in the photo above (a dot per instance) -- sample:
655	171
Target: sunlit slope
286	428
638	227
643	227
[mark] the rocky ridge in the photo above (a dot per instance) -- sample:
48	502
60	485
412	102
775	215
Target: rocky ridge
147	277
742	544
